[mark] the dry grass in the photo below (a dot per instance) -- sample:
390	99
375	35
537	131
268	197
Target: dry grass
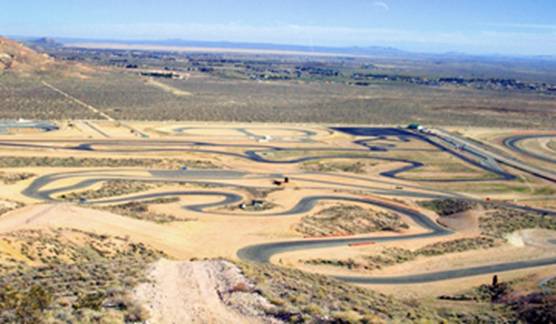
310	298
110	188
8	178
8	205
140	210
78	276
392	256
458	245
126	96
501	221
495	223
28	98
65	162
358	167
497	220
507	300
301	297
348	220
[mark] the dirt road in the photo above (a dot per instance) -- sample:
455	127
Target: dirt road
196	292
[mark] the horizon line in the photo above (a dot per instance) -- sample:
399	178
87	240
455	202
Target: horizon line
308	47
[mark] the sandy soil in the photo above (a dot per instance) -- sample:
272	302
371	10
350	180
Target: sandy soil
467	221
167	88
199	292
204	237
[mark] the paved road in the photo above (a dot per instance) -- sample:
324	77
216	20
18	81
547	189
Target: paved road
255	153
519	165
450	274
513	141
263	252
304	137
45	126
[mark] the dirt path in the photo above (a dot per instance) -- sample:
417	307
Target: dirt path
194	292
93	109
88	127
77	101
175	91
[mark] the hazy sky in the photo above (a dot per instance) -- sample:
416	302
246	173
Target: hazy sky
473	26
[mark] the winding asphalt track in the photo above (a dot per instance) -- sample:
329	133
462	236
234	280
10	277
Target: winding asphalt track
263	252
496	157
257	154
512	143
450	274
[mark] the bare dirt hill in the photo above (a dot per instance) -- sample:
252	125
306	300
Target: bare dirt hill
16	57
22	60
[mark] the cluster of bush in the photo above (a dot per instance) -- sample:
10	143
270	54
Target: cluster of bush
72	276
349	220
110	188
301	297
517	306
73	162
8	178
140	210
495	223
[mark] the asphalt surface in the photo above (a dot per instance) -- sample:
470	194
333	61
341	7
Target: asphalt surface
498	157
263	252
45	126
306	135
513	144
255	153
450	274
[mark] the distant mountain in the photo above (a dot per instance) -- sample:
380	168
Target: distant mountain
371	51
44	43
277	47
348	51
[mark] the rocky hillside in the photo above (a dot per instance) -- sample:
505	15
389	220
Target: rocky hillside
22	60
18	58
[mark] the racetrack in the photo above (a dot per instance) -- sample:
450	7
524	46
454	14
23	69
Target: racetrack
264	252
254	153
450	274
513	143
302	135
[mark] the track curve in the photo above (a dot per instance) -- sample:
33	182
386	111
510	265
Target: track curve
450	274
255	155
264	252
513	144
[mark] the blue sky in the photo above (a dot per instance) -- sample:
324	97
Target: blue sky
472	26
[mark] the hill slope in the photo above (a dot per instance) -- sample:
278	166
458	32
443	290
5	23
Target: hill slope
20	59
